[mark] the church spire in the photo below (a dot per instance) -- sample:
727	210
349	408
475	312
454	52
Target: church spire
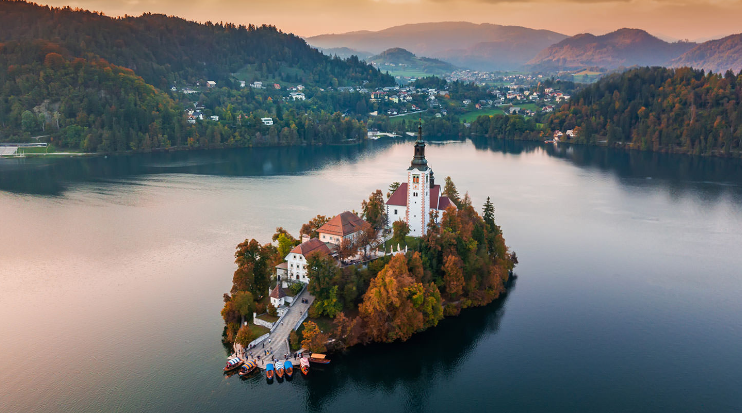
419	157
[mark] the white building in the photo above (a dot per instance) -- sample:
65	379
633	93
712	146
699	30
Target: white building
345	225
257	85
211	83
297	258
297	96
215	118
413	201
267	121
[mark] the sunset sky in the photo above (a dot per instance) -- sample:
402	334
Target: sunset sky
668	19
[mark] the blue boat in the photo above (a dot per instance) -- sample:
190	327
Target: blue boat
269	371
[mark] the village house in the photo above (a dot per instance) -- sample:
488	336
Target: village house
570	133
297	259
297	96
557	135
276	86
214	118
346	225
278	296
267	121
413	201
513	109
242	83
257	85
211	83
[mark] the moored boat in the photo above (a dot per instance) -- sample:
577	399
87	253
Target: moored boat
232	364
280	369
319	358
269	371
247	368
304	365
288	368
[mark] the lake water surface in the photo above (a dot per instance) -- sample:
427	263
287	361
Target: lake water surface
628	296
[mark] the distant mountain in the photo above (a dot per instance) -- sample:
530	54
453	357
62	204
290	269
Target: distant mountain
475	46
345	52
715	55
624	47
400	59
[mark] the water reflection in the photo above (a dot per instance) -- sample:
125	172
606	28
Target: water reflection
417	365
676	174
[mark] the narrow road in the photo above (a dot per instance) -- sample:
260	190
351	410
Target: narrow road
277	343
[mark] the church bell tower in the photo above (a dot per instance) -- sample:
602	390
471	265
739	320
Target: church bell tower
420	181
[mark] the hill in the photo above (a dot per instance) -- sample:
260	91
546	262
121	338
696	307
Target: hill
345	52
624	47
165	49
400	59
715	55
677	110
475	46
84	104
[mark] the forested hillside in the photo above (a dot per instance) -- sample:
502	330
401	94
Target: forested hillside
680	110
86	104
166	49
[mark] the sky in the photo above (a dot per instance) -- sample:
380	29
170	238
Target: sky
695	20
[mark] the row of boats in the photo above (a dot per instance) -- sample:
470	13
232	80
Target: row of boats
279	369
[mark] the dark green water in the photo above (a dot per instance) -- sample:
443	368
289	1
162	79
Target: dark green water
628	297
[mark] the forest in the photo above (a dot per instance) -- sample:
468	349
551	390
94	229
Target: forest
656	109
167	50
461	262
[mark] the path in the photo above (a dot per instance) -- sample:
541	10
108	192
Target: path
278	345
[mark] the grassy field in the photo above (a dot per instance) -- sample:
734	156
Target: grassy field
470	116
528	106
268	318
48	149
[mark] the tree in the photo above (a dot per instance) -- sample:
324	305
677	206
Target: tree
323	272
312	338
294	340
346	249
310	228
400	230
243	304
28	121
488	213
254	267
271	310
450	190
374	210
395	306
244	336
285	245
392	189
368	239
281	230
453	276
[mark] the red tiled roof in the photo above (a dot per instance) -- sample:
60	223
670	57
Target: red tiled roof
310	246
435	196
445	202
277	292
400	197
342	224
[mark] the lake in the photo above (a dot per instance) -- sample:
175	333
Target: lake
627	297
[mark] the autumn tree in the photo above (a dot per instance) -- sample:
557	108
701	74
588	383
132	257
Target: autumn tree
271	310
244	336
312	338
395	306
310	228
374	209
400	230
368	239
281	230
347	330
254	267
323	272
346	249
450	190
243	304
453	276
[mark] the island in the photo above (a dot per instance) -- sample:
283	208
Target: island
395	269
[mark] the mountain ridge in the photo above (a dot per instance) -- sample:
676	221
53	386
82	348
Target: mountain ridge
717	55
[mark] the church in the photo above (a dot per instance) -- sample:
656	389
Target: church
413	201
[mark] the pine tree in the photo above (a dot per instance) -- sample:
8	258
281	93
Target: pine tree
488	213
